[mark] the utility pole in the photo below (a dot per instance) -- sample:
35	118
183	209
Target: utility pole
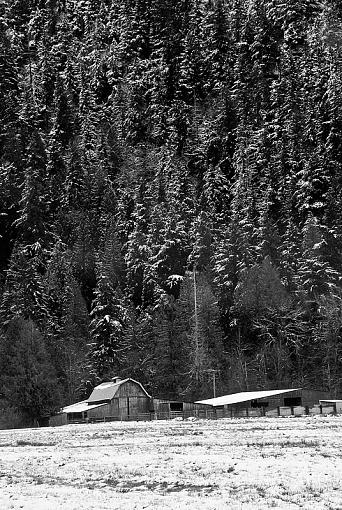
196	329
213	371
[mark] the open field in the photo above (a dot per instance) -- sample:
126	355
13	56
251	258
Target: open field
237	464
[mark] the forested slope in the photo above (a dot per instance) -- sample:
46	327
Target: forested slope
170	196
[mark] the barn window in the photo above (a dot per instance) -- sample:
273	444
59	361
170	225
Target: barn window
258	404
292	401
176	406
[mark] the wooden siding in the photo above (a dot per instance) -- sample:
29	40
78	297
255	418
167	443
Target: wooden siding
130	389
164	406
98	412
308	398
312	397
58	419
129	400
121	408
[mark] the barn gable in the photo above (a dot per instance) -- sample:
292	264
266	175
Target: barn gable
105	392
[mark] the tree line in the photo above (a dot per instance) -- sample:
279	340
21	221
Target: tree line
170	196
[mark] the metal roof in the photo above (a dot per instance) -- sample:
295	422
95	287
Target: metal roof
107	390
80	407
244	396
331	401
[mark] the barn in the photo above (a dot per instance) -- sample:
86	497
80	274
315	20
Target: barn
293	401
118	399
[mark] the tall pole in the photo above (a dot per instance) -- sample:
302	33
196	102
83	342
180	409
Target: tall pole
197	354
213	371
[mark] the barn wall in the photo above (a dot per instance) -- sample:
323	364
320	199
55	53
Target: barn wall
139	405
163	406
312	397
58	419
114	408
279	400
309	398
160	405
130	389
133	405
121	408
189	407
192	407
98	412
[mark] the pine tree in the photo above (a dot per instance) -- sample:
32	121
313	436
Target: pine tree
24	294
33	216
108	320
327	342
315	275
138	255
215	33
67	323
192	69
27	379
260	289
9	88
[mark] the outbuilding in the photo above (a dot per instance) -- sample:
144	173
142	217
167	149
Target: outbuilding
292	401
334	405
166	409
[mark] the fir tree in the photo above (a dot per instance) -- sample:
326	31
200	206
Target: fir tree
27	380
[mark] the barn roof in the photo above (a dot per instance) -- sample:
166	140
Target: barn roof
244	396
79	407
107	391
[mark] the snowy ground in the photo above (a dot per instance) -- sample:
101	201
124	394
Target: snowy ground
259	463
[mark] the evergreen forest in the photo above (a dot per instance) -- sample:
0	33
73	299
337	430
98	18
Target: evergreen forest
170	197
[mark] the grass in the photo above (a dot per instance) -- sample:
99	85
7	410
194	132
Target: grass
22	442
237	464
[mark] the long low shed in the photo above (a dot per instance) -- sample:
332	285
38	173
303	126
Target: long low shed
256	403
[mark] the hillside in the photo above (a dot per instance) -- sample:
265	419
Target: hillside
170	196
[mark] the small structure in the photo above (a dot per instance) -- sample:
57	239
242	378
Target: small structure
114	400
327	405
166	409
284	402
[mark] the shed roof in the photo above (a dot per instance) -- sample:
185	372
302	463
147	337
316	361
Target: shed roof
107	391
244	396
79	407
338	401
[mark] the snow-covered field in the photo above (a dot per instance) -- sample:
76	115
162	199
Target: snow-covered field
226	464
